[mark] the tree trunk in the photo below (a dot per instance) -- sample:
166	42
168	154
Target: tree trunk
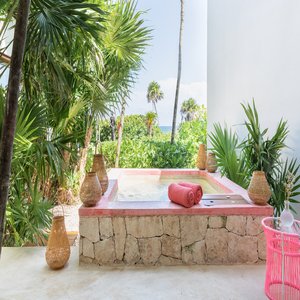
11	108
84	152
178	74
120	133
113	127
155	108
151	129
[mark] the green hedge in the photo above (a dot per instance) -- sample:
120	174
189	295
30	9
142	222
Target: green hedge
147	153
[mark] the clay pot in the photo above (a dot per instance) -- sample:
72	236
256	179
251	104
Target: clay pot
201	159
99	168
90	190
58	248
211	164
259	190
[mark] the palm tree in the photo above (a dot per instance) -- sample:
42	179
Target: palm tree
151	118
126	22
11	107
188	109
178	74
154	94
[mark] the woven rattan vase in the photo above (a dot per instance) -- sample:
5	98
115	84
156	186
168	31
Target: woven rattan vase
58	248
99	168
201	158
211	164
259	190
90	190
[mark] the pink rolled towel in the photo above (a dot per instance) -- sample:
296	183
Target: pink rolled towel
181	195
196	188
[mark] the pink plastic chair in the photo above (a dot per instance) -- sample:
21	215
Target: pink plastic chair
283	262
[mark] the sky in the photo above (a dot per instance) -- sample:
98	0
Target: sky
161	57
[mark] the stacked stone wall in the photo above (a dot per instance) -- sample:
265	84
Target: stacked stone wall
171	240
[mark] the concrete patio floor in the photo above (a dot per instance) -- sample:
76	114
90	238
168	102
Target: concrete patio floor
25	275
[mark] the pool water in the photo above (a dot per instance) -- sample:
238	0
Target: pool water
155	187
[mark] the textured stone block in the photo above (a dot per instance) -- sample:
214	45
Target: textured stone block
143	227
261	246
254	226
187	255
236	224
89	228
199	252
169	261
150	250
216	222
171	225
85	260
120	236
171	246
105	252
242	249
106	228
132	253
193	229
195	253
216	245
87	248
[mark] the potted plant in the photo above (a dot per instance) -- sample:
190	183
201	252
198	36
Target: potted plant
263	154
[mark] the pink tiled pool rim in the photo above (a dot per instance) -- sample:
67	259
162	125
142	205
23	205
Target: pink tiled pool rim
106	206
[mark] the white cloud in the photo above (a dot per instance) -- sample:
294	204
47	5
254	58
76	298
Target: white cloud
139	105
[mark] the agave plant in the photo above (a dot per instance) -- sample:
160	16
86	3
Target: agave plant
230	158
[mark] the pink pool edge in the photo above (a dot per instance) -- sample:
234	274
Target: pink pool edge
107	207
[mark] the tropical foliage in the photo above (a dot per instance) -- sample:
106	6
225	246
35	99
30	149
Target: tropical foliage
81	59
237	160
230	158
188	109
154	94
151	118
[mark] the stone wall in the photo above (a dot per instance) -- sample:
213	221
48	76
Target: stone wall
171	240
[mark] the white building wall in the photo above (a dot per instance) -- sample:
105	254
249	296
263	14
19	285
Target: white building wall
254	52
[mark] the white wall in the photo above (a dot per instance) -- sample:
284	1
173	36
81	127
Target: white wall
254	51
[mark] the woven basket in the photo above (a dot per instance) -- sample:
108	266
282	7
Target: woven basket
99	168
90	190
211	163
201	158
259	190
58	248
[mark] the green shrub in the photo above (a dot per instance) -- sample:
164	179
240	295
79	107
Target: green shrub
193	131
167	155
147	153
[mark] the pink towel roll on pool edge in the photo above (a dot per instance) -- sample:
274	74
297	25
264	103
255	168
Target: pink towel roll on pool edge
196	188
181	195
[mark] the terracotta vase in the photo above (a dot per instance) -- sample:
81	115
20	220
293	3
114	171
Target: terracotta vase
58	248
201	159
99	168
211	164
90	190
259	190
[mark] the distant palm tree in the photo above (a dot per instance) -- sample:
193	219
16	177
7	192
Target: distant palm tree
188	109
151	117
154	94
178	74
